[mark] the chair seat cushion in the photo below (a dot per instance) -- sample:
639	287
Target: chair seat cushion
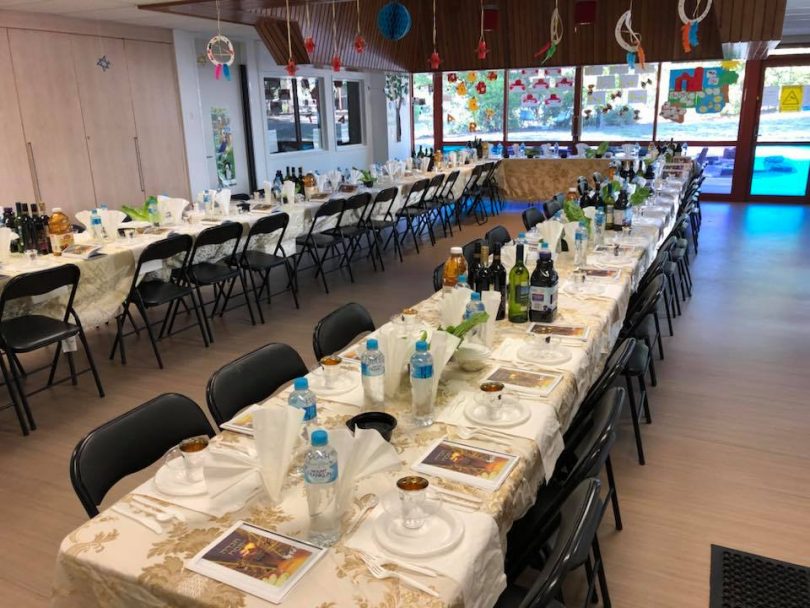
30	332
637	365
646	329
317	240
261	260
155	293
207	273
410	212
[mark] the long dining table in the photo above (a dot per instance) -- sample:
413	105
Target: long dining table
113	560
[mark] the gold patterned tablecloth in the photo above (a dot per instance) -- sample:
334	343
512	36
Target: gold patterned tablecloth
538	179
113	561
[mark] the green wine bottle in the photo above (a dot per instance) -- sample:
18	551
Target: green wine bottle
519	289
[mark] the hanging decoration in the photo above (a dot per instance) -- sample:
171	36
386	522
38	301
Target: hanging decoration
291	67
689	29
220	52
556	34
633	47
461	89
482	50
481	87
309	41
434	60
335	55
359	41
394	21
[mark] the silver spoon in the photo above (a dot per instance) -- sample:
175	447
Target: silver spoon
367	502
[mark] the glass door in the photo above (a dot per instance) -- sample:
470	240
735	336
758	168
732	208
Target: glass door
782	146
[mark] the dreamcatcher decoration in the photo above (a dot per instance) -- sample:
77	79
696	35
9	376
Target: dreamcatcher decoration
291	67
220	52
635	52
556	34
434	60
309	41
689	29
481	50
335	55
359	41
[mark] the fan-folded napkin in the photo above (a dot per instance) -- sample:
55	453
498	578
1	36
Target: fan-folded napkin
492	301
288	192
171	209
277	430
442	347
6	236
453	304
223	199
550	232
397	349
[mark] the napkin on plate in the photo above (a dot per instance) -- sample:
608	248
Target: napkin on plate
571	233
223	199
453	304
277	430
550	232
492	301
542	426
361	455
480	580
171	209
442	347
397	349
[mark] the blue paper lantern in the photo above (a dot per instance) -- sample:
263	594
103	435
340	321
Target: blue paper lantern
394	21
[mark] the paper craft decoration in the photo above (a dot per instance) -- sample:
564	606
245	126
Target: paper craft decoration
481	87
472	104
553	101
434	60
452	77
489	112
472	77
689	29
555	35
631	44
637	96
492	76
605	82
220	53
597	98
621	68
529	100
628	81
517	84
461	89
472	127
703	88
553	71
770	97
540	83
481	50
593	70
565	83
393	20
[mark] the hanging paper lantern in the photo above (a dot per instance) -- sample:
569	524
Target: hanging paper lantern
394	21
434	60
309	44
492	75
336	62
452	77
220	52
359	43
461	89
472	104
481	87
291	67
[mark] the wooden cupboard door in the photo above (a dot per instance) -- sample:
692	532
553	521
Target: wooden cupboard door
52	118
16	182
156	102
109	122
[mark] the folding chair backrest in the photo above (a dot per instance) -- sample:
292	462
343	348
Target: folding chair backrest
551	208
438	277
267	225
417	193
339	328
384	201
358	202
645	305
434	187
449	184
497	236
531	217
41	282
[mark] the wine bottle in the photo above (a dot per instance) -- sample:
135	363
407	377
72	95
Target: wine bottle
518	289
475	267
497	279
619	209
543	290
18	228
483	278
609	208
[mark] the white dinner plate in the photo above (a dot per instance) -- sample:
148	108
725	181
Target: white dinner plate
134	225
589	288
441	532
513	412
553	355
345	382
170	480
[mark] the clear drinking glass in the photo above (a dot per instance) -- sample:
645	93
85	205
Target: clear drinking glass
412	497
492	396
331	370
193	452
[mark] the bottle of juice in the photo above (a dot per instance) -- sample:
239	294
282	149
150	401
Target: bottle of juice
454	266
60	230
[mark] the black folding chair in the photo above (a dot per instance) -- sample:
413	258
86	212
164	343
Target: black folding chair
531	217
438	277
152	292
381	217
252	378
433	203
130	443
29	332
497	236
317	238
353	226
550	208
339	328
468	194
414	212
448	201
259	262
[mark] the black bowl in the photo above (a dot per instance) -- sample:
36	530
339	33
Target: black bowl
379	421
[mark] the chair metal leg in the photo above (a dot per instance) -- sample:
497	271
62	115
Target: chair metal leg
592	596
614	497
72	366
55	363
200	318
644	399
320	268
667	304
247	298
293	283
150	333
673	288
91	361
658	335
600	572
256	296
15	362
14	399
631	399
21	394
204	315
651	363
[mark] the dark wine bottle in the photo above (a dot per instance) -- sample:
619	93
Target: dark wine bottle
483	278
497	279
543	290
475	267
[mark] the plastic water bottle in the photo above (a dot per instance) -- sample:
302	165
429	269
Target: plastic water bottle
522	150
581	245
462	282
521	239
320	477
599	226
152	211
422	385
303	398
372	367
474	306
96	228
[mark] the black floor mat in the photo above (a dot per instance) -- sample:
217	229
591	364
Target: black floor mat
745	580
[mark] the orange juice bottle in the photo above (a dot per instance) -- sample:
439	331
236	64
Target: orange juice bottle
60	230
455	266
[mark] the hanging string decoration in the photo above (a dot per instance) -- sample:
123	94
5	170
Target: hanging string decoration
689	29
482	50
335	55
309	41
435	60
394	21
556	34
291	67
219	51
359	41
624	26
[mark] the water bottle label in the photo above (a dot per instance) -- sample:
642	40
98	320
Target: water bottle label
321	474
543	298
365	370
310	412
422	372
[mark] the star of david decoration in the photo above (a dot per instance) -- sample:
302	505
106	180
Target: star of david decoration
104	63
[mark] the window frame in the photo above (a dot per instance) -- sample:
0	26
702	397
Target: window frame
324	143
362	112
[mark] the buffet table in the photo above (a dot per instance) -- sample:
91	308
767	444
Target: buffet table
538	179
113	560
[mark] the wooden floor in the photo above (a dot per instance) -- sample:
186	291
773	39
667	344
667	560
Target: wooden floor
728	451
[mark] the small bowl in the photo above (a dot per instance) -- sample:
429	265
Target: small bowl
381	422
472	357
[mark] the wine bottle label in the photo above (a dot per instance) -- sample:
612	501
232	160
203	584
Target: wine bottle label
543	298
522	293
618	217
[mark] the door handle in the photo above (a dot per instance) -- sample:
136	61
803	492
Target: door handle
32	166
140	166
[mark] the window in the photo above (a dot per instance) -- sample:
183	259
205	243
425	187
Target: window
472	105
422	104
779	120
700	101
348	112
618	104
293	110
541	104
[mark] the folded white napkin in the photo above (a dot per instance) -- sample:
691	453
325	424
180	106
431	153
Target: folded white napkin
571	233
424	163
268	189
442	347
83	217
551	232
492	301
171	209
542	426
453	304
397	350
480	580
361	455
111	220
590	212
227	467
335	177
277	430
356	177
288	192
223	199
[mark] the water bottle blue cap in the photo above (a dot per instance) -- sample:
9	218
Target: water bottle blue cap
300	384
521	235
543	245
421	346
320	437
372	344
462	277
475	296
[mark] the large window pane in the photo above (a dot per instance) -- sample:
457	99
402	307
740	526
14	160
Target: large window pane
718	167
700	101
348	112
618	104
785	114
422	104
293	114
780	170
473	105
541	104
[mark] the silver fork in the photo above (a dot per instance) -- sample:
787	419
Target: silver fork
377	571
